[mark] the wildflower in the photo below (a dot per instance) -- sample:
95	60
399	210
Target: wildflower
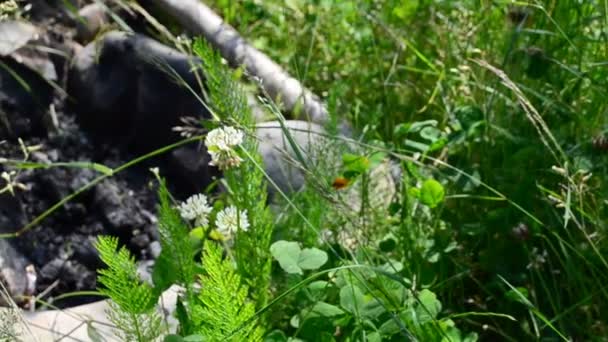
196	208
8	8
229	220
156	172
11	183
220	144
537	259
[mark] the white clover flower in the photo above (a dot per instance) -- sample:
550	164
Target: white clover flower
223	138
229	220
220	144
8	8
196	208
225	160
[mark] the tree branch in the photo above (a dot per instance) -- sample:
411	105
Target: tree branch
200	19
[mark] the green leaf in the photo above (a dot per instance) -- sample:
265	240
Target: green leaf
316	329
355	164
318	289
275	336
287	253
376	159
437	144
429	306
374	337
468	116
431	193
414	192
326	310
388	243
352	299
431	134
412	127
189	338
120	280
295	321
182	316
163	274
312	258
223	306
392	266
416	145
389	328
373	308
197	234
406	9
519	294
173	338
294	260
433	257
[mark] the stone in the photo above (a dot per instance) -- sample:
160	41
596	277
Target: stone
14	34
279	157
125	90
25	91
154	249
12	270
24	101
91	19
77	323
189	169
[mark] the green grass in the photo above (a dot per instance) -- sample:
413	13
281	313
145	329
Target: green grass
387	64
495	114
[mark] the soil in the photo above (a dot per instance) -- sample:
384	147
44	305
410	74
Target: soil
61	247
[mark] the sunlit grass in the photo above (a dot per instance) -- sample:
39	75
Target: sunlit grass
397	62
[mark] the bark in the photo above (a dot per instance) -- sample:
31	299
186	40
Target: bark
200	19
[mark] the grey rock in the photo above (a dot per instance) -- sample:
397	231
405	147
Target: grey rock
154	249
125	90
144	271
14	37
37	61
12	270
280	158
23	102
91	19
14	34
319	152
189	169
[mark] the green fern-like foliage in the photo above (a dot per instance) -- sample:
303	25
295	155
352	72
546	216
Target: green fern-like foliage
133	302
177	252
223	312
225	93
247	186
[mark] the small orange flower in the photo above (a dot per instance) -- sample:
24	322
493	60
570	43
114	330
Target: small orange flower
340	183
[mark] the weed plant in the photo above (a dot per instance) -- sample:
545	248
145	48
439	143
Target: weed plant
331	280
473	206
504	103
